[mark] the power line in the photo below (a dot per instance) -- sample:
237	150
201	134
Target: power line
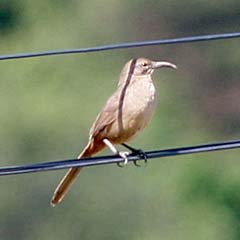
191	39
56	165
87	162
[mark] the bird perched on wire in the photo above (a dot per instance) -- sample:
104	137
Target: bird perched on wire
126	113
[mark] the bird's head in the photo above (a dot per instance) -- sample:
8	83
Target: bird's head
143	67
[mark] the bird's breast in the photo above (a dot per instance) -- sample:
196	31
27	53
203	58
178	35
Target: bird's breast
142	97
135	110
138	106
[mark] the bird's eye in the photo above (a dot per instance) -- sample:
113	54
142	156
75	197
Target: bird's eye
144	64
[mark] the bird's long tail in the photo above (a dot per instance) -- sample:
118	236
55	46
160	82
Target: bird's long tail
69	178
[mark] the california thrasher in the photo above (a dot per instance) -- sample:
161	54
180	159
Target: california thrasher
126	113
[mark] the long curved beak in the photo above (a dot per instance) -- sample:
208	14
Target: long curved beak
156	65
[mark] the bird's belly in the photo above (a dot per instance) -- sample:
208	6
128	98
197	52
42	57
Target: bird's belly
143	102
133	118
140	117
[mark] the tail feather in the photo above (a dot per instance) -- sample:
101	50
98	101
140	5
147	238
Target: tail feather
67	181
64	185
70	177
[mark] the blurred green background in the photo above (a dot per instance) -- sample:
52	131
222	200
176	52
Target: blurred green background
48	104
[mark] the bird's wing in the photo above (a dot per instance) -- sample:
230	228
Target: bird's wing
106	116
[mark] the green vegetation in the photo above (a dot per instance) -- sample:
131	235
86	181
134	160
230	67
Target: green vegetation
47	106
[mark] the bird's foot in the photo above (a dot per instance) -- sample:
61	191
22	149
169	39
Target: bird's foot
124	155
138	152
141	154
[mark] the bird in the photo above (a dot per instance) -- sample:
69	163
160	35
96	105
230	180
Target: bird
126	113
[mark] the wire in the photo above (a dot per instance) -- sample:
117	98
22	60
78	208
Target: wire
87	162
123	45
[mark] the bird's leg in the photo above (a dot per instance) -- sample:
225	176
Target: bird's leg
139	152
115	151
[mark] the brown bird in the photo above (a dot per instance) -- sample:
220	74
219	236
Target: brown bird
125	114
